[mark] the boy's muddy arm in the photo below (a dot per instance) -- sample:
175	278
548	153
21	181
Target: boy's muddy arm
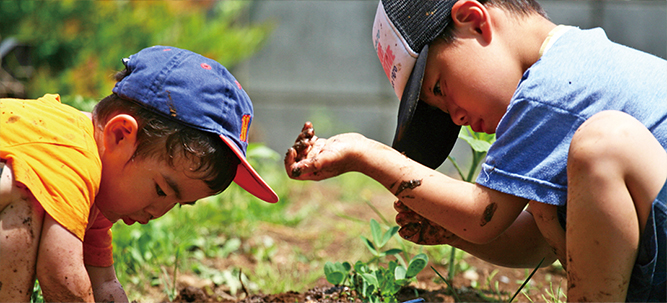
521	245
106	287
60	269
473	213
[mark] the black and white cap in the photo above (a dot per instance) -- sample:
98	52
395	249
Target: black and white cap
402	31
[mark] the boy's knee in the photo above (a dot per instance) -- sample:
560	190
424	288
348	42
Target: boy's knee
604	138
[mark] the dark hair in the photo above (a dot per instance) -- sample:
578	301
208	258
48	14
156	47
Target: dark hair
519	8
164	138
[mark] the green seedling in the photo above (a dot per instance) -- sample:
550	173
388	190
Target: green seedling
369	280
337	273
380	239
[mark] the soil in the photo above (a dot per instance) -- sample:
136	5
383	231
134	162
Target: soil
478	282
542	285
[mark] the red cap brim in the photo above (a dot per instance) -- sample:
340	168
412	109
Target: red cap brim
248	178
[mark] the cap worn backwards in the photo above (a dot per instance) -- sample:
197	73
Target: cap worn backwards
198	92
402	31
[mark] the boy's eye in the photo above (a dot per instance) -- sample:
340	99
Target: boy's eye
436	89
159	191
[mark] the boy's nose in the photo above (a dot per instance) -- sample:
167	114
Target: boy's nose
158	209
459	117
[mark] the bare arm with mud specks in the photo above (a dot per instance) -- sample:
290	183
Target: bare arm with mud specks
469	214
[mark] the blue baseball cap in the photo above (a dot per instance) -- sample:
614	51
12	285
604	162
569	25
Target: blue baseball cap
200	93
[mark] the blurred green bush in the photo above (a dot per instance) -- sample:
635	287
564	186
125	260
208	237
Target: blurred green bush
77	45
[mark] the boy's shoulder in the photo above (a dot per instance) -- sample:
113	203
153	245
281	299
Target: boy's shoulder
581	51
54	154
584	63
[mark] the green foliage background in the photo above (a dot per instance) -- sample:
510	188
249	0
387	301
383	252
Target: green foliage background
78	45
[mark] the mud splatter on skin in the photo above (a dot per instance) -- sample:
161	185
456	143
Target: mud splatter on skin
296	172
13	119
302	141
410	229
412	184
488	213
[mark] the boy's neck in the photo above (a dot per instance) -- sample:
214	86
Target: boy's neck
525	36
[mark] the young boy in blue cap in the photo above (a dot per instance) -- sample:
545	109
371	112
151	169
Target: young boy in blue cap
579	167
175	130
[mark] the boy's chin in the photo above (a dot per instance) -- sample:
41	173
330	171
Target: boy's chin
128	221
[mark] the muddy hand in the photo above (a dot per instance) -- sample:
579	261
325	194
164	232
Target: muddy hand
304	141
418	229
313	158
302	146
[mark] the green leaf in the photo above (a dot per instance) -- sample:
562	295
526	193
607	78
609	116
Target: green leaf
417	263
360	267
401	282
376	231
370	279
387	235
481	146
370	246
346	266
333	272
399	272
393	251
335	278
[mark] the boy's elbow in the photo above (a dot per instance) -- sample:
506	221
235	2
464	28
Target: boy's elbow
64	284
483	237
483	234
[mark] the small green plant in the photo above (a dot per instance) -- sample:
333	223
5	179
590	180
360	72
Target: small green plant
554	296
369	280
380	239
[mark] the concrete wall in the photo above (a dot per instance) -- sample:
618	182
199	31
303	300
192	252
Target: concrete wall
319	64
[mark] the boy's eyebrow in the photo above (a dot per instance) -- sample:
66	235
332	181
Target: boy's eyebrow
173	186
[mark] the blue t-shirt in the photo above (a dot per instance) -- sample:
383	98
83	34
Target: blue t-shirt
582	74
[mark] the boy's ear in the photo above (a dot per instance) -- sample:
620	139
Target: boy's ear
120	136
472	17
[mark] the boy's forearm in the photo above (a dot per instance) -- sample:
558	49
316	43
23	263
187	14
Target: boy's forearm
521	245
59	267
472	212
106	287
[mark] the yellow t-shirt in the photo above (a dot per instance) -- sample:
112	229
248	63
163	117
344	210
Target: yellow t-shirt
53	153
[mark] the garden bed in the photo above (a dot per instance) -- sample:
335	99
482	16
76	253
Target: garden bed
283	261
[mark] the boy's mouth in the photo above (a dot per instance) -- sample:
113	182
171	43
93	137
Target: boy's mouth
478	127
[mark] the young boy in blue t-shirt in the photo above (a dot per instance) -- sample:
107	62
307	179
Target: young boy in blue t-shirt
579	168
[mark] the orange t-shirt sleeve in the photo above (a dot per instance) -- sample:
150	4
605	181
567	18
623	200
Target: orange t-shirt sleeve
97	243
52	150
